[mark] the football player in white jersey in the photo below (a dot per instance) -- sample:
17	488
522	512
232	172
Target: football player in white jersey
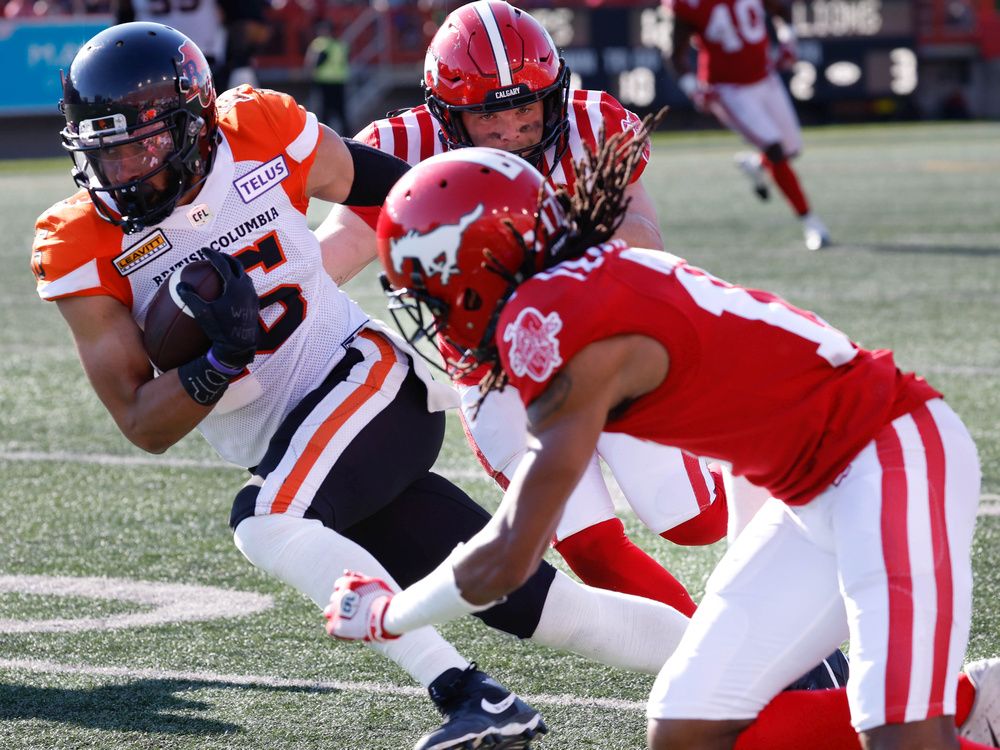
336	420
493	77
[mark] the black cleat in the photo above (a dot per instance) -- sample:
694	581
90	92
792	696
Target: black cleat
479	713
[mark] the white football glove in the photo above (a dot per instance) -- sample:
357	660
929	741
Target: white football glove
357	609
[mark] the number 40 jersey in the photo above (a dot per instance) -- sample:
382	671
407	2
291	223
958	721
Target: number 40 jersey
784	397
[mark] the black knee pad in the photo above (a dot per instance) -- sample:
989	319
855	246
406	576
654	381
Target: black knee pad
413	534
520	612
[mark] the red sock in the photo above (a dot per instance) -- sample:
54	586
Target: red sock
821	720
605	558
785	179
966	697
707	527
797	719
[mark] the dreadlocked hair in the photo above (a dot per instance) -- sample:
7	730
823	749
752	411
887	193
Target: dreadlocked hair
592	215
597	207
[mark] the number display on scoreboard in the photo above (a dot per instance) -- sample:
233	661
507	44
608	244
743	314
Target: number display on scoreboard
854	49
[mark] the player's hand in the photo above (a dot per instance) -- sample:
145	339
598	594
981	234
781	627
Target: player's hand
230	321
702	95
356	611
786	57
705	97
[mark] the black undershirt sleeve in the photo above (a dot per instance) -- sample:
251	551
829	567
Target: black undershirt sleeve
375	172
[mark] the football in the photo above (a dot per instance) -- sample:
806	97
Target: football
171	335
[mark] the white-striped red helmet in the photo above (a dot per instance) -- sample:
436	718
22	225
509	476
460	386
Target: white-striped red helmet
445	241
489	56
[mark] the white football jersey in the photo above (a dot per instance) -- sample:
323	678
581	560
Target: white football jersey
252	206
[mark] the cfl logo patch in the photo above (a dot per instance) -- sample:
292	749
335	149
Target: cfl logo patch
349	604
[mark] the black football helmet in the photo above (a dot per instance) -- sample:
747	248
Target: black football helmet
141	123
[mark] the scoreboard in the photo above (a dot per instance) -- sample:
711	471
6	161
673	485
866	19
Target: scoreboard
851	52
860	49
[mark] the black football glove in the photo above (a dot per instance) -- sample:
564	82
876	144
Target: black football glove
230	321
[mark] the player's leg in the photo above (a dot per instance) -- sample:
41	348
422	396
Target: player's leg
589	536
321	470
674	494
550	609
779	107
771	610
903	519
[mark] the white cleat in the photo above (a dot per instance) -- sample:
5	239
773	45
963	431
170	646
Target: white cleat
816	234
983	723
749	164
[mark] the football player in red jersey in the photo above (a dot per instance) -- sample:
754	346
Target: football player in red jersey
493	77
334	418
876	479
736	81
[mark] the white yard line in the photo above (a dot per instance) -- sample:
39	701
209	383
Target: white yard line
111	459
265	681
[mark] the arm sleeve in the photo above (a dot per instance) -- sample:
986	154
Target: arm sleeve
375	172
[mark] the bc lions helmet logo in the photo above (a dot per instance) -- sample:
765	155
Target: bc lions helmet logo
194	77
535	351
436	251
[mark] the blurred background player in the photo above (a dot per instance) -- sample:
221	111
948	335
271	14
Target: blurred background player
736	82
493	77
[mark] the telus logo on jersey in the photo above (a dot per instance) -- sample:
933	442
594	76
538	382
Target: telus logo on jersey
435	251
149	247
258	181
535	348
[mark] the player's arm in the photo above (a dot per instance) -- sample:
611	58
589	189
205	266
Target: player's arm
680	55
566	420
780	13
641	225
153	413
351	173
347	243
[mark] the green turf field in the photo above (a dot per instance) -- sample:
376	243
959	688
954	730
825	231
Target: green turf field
915	213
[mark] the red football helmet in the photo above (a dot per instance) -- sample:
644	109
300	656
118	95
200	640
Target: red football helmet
489	56
445	239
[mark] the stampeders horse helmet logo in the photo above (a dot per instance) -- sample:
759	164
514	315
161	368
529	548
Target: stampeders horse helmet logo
437	250
535	351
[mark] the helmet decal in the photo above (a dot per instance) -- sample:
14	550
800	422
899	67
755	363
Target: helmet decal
535	348
194	77
485	14
437	250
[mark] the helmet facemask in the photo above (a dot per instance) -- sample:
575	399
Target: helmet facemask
138	173
555	124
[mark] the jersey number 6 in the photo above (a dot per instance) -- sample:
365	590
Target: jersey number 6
267	254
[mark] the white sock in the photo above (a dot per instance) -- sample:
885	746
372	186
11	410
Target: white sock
612	628
307	555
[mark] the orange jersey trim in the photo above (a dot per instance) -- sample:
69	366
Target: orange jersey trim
324	434
259	121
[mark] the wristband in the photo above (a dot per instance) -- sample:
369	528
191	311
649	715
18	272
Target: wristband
221	366
204	382
433	599
688	83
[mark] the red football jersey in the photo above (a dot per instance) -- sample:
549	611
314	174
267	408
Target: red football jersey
413	135
787	399
731	36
